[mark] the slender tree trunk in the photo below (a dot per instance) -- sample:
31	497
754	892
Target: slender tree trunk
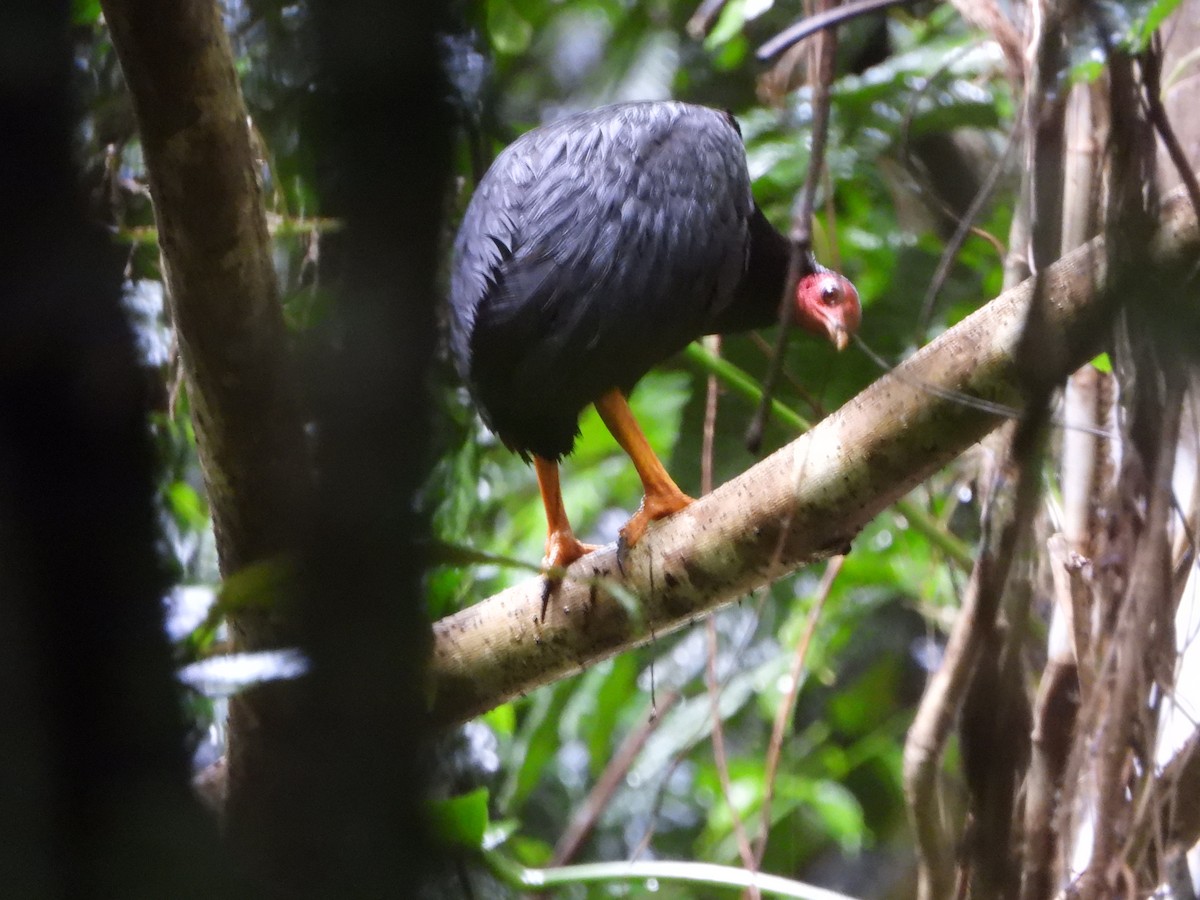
325	773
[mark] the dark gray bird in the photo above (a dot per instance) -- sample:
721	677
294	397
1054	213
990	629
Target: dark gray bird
596	247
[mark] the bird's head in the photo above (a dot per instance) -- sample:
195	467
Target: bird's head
827	305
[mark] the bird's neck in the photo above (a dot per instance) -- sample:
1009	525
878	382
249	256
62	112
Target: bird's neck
756	304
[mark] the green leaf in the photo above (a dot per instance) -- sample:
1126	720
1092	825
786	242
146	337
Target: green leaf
1144	30
732	54
502	719
840	813
256	586
443	553
1087	71
85	12
510	33
729	25
187	505
614	695
534	745
461	821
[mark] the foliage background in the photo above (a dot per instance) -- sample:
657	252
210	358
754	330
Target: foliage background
837	814
921	111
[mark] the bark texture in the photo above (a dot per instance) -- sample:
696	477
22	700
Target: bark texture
212	229
241	387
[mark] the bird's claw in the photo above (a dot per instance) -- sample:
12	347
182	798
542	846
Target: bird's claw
547	589
623	546
653	508
562	549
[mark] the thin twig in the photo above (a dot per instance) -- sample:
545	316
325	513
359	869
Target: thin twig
787	706
712	343
964	227
801	232
703	19
825	19
584	819
1151	64
817	410
988	406
721	758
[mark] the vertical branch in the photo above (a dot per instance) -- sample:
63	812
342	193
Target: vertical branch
1118	727
979	680
1037	221
821	79
787	706
1057	702
1055	709
994	736
973	633
1142	643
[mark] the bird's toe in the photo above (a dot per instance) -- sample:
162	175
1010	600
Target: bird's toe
562	549
653	508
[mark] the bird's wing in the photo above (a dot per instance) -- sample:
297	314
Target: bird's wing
606	241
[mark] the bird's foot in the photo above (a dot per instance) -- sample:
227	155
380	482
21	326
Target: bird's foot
562	549
654	506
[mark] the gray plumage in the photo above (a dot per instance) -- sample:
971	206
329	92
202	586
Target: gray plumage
596	247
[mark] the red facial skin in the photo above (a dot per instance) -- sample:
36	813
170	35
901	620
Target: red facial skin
827	305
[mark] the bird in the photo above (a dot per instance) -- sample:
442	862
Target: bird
596	247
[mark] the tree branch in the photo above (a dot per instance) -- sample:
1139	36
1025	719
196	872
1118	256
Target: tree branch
805	502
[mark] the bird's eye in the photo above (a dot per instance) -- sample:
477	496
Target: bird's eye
831	293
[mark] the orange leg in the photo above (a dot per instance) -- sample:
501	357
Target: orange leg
562	548
663	496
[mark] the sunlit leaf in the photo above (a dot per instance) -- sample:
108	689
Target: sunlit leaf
461	821
1150	22
509	32
85	12
502	719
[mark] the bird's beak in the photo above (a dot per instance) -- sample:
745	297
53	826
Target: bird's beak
838	334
